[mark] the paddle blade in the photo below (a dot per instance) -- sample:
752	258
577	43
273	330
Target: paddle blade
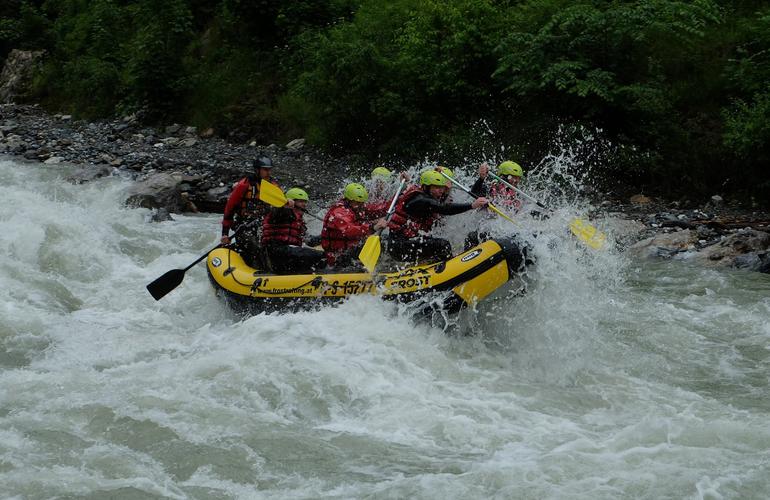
500	213
271	194
370	254
588	234
161	286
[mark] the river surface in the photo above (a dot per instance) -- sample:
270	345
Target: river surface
608	378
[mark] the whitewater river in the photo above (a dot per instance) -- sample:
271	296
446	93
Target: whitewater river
608	379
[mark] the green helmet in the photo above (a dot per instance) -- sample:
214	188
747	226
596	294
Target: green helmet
355	192
432	178
297	194
446	171
381	173
509	168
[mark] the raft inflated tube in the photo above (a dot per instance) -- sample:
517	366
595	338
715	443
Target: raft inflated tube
471	275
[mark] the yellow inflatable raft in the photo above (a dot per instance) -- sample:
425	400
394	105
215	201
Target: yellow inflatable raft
466	279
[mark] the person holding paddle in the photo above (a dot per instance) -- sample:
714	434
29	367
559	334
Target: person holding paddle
347	223
283	232
417	211
244	207
509	171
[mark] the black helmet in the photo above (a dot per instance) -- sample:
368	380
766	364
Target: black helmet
263	162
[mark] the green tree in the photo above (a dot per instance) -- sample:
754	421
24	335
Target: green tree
397	74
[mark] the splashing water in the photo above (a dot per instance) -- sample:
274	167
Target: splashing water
605	379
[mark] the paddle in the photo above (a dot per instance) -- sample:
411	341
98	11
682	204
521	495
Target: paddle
584	231
490	205
372	249
163	285
272	195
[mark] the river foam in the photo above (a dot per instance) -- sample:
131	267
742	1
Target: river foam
605	379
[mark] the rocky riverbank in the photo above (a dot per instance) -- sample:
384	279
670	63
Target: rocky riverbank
177	168
182	169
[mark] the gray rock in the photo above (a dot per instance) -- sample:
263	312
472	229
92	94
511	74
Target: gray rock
717	200
295	145
188	142
218	193
20	67
191	130
754	261
160	215
159	190
173	129
663	245
705	232
88	174
54	160
727	251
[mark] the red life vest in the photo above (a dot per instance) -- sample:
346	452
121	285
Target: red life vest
408	226
505	196
287	233
251	206
244	204
343	228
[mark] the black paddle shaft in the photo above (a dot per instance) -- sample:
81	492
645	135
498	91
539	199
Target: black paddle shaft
170	280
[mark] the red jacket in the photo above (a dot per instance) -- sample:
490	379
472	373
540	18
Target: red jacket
283	226
505	196
408	226
244	204
377	209
343	228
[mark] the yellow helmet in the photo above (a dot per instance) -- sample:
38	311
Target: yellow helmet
355	192
509	168
432	178
297	194
448	173
381	173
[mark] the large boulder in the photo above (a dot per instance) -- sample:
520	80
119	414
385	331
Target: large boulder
88	173
746	249
664	245
20	67
160	190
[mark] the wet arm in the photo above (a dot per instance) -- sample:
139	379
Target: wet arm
423	205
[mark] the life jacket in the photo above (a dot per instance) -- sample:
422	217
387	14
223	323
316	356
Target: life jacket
251	206
287	233
343	228
505	196
408	226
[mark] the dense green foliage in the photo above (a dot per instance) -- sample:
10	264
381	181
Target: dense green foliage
679	89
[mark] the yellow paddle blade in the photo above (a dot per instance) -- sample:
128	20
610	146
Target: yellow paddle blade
370	254
499	212
271	194
588	234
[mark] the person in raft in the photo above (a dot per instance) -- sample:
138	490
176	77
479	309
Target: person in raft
244	208
346	226
283	233
512	173
418	209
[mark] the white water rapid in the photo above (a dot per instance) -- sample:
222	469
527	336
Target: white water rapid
607	379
